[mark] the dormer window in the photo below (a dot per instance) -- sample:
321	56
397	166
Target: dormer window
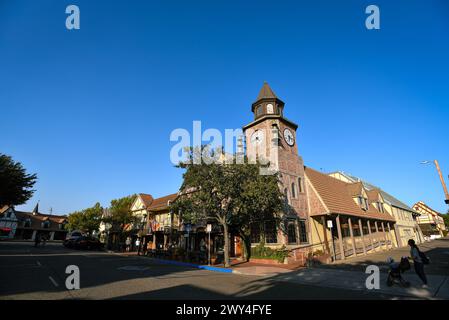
46	224
363	202
380	206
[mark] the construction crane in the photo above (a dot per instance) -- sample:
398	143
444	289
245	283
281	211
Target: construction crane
441	178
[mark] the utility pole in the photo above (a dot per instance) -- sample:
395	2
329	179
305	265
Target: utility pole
442	182
446	194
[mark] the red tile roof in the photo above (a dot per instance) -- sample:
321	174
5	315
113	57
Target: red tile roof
338	196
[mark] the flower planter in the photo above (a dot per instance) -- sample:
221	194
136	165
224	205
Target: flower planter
265	261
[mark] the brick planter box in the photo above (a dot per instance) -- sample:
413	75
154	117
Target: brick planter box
264	261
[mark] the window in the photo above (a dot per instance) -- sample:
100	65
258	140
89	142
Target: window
302	232
293	190
291	233
300	188
286	196
381	207
270	232
363	202
46	224
259	111
255	232
27	223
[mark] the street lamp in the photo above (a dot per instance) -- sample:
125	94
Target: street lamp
437	166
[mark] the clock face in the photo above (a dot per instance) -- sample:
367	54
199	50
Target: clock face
257	138
270	108
289	137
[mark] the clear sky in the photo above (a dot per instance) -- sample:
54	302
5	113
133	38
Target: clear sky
91	110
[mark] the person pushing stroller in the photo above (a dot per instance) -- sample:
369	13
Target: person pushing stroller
396	270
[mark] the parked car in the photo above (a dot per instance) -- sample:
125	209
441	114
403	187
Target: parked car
87	243
74	234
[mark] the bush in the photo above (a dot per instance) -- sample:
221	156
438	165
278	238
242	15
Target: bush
262	252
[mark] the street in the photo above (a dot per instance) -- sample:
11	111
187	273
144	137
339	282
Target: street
39	273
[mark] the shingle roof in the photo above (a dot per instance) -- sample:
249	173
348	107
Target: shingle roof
385	195
337	197
37	219
162	202
373	195
266	92
147	199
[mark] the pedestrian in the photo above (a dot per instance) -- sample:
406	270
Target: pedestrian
37	239
128	244
419	259
138	246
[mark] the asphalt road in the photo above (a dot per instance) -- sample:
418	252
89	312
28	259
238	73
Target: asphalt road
39	273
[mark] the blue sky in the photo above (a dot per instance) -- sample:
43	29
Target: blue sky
91	111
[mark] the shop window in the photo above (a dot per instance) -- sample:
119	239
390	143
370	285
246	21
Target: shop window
303	232
291	232
270	232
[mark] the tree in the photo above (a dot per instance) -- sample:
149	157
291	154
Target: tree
120	214
15	184
233	195
260	200
87	220
446	219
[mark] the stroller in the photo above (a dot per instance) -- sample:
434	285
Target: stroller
396	270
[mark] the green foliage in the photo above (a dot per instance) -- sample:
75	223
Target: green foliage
15	184
446	219
263	252
87	220
120	213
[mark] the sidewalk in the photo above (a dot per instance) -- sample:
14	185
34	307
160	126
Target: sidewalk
355	280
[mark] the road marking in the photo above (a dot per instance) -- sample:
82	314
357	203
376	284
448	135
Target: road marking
53	281
38	263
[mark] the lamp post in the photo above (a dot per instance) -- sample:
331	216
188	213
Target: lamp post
141	244
437	166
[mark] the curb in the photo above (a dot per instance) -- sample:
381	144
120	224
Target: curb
193	265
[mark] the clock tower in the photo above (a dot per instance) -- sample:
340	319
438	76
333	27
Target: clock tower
272	137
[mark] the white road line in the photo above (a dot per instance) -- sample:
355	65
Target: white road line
53	281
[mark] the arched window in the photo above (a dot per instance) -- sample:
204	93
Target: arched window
300	187
286	196
259	110
293	190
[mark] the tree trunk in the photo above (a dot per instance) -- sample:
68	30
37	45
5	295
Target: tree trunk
226	245
246	245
